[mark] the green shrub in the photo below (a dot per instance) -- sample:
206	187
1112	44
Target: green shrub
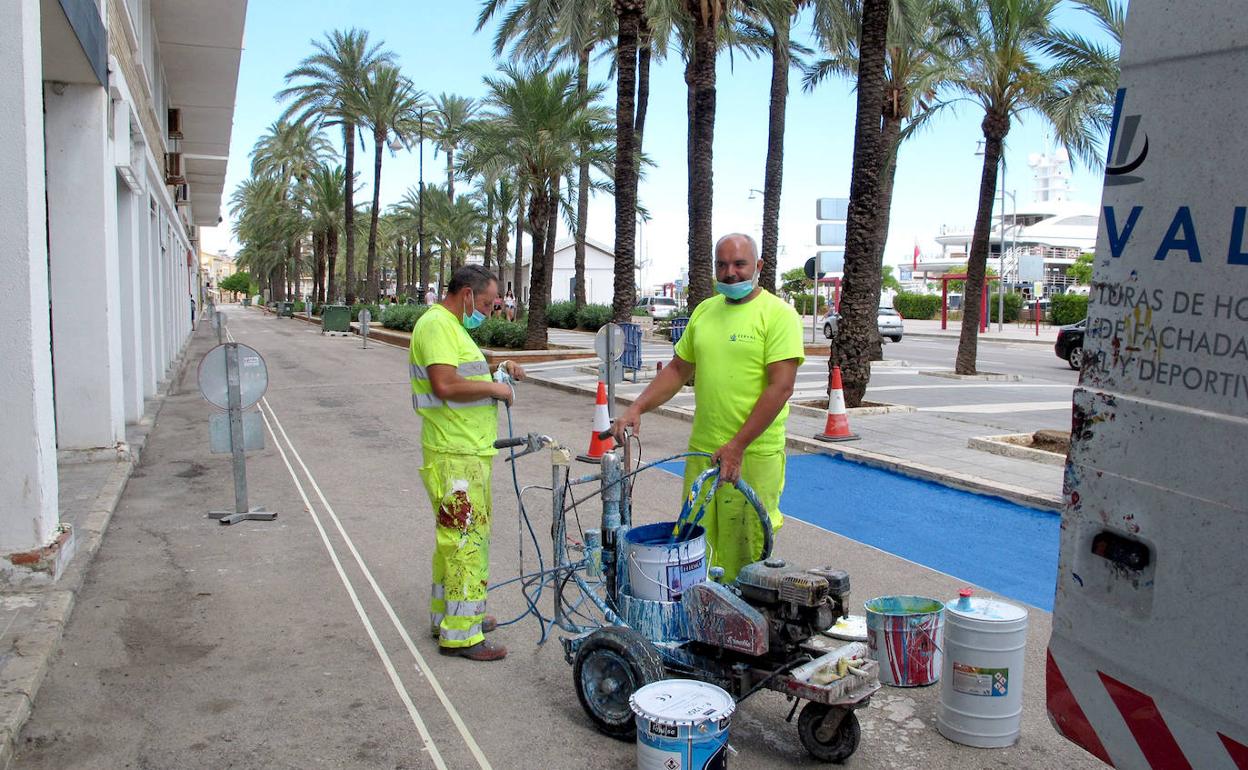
918	307
803	303
402	317
1067	308
299	306
239	282
499	333
561	315
640	312
374	312
1013	306
593	317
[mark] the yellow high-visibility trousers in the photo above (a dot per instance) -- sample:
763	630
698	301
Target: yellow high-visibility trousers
734	535
459	491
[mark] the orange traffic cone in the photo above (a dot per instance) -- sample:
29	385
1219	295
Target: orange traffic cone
602	421
837	427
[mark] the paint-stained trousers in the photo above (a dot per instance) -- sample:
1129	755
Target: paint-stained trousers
459	491
734	534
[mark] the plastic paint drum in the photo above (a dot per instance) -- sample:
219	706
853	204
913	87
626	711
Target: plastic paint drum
659	569
981	699
682	724
904	634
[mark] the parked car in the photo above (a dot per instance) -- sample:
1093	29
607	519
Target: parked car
658	307
889	322
1069	345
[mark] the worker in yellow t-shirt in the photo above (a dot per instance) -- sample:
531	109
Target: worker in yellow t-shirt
457	401
746	346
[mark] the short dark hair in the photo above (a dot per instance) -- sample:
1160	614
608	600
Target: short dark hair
474	276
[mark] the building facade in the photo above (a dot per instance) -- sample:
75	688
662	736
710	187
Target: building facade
114	155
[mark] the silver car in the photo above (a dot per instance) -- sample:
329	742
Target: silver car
888	320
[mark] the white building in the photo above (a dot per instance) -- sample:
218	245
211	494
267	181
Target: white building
114	141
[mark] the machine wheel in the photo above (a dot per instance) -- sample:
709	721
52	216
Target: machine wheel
895	338
838	746
612	664
827	331
1074	357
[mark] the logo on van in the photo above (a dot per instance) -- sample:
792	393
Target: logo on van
1118	162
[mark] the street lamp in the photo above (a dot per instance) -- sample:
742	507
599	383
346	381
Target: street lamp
420	200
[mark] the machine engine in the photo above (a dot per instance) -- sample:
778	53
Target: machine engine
796	603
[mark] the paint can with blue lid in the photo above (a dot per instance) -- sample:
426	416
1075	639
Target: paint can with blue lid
981	699
682	724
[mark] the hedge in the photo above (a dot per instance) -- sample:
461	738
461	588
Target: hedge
499	333
1013	306
1067	308
561	315
402	317
802	303
918	307
593	317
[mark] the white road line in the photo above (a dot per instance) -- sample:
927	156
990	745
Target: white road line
359	610
1022	406
385	603
967	385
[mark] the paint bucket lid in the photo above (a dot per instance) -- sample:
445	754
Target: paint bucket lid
991	610
682	702
850	629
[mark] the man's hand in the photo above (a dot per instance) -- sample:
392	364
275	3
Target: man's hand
630	420
503	392
728	457
514	370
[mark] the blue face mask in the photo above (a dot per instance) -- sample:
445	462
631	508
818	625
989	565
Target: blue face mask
738	290
472	321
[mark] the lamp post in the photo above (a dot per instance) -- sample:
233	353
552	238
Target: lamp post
420	200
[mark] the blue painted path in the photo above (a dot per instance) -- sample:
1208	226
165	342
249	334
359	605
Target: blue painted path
991	542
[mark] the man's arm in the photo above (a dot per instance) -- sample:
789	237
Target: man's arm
780	378
448	385
660	390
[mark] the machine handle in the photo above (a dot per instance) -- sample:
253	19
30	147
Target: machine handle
507	443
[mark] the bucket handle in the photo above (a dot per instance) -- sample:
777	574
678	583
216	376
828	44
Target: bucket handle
632	557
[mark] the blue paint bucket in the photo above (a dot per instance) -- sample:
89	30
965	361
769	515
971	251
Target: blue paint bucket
682	724
659	569
904	635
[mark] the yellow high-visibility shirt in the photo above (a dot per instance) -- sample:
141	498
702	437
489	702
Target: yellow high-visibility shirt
731	346
453	427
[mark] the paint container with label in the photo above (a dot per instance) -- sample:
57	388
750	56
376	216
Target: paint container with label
904	634
659	569
682	724
981	699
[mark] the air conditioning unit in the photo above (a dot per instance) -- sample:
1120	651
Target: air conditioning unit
175	123
182	194
174	172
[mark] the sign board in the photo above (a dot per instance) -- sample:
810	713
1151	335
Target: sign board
810	269
253	377
613	334
906	274
1030	268
832	261
835	209
830	234
219	432
1037	289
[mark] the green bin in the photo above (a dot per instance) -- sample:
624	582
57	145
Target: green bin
285	310
246	301
335	318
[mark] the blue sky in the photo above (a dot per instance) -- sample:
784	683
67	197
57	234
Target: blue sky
937	177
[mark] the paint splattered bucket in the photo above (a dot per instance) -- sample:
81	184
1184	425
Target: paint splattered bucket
659	569
682	724
904	634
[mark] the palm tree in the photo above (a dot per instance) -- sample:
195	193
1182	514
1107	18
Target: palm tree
506	199
325	187
265	224
538	122
1088	69
450	116
386	103
410	205
325	83
630	17
998	47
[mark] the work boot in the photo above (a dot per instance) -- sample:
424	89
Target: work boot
488	624
481	651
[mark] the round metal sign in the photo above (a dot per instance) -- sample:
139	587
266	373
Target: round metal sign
253	376
616	333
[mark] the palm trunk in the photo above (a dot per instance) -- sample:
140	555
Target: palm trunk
582	185
891	136
701	155
858	331
536	337
773	181
400	257
318	272
331	256
348	130
517	270
995	128
630	15
489	232
643	82
450	176
500	249
372	273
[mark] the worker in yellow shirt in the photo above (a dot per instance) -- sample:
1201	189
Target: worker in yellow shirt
746	346
456	398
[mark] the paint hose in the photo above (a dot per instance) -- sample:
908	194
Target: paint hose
685	526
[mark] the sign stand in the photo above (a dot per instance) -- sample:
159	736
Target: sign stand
364	318
237	421
609	345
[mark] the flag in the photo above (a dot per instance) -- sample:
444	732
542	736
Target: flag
915	264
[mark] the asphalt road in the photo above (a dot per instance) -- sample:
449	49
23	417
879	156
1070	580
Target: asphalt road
303	642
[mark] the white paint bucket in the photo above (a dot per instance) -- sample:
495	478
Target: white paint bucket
981	700
659	569
904	633
682	724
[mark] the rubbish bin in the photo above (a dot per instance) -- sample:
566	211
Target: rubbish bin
246	301
335	318
678	328
632	346
285	310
